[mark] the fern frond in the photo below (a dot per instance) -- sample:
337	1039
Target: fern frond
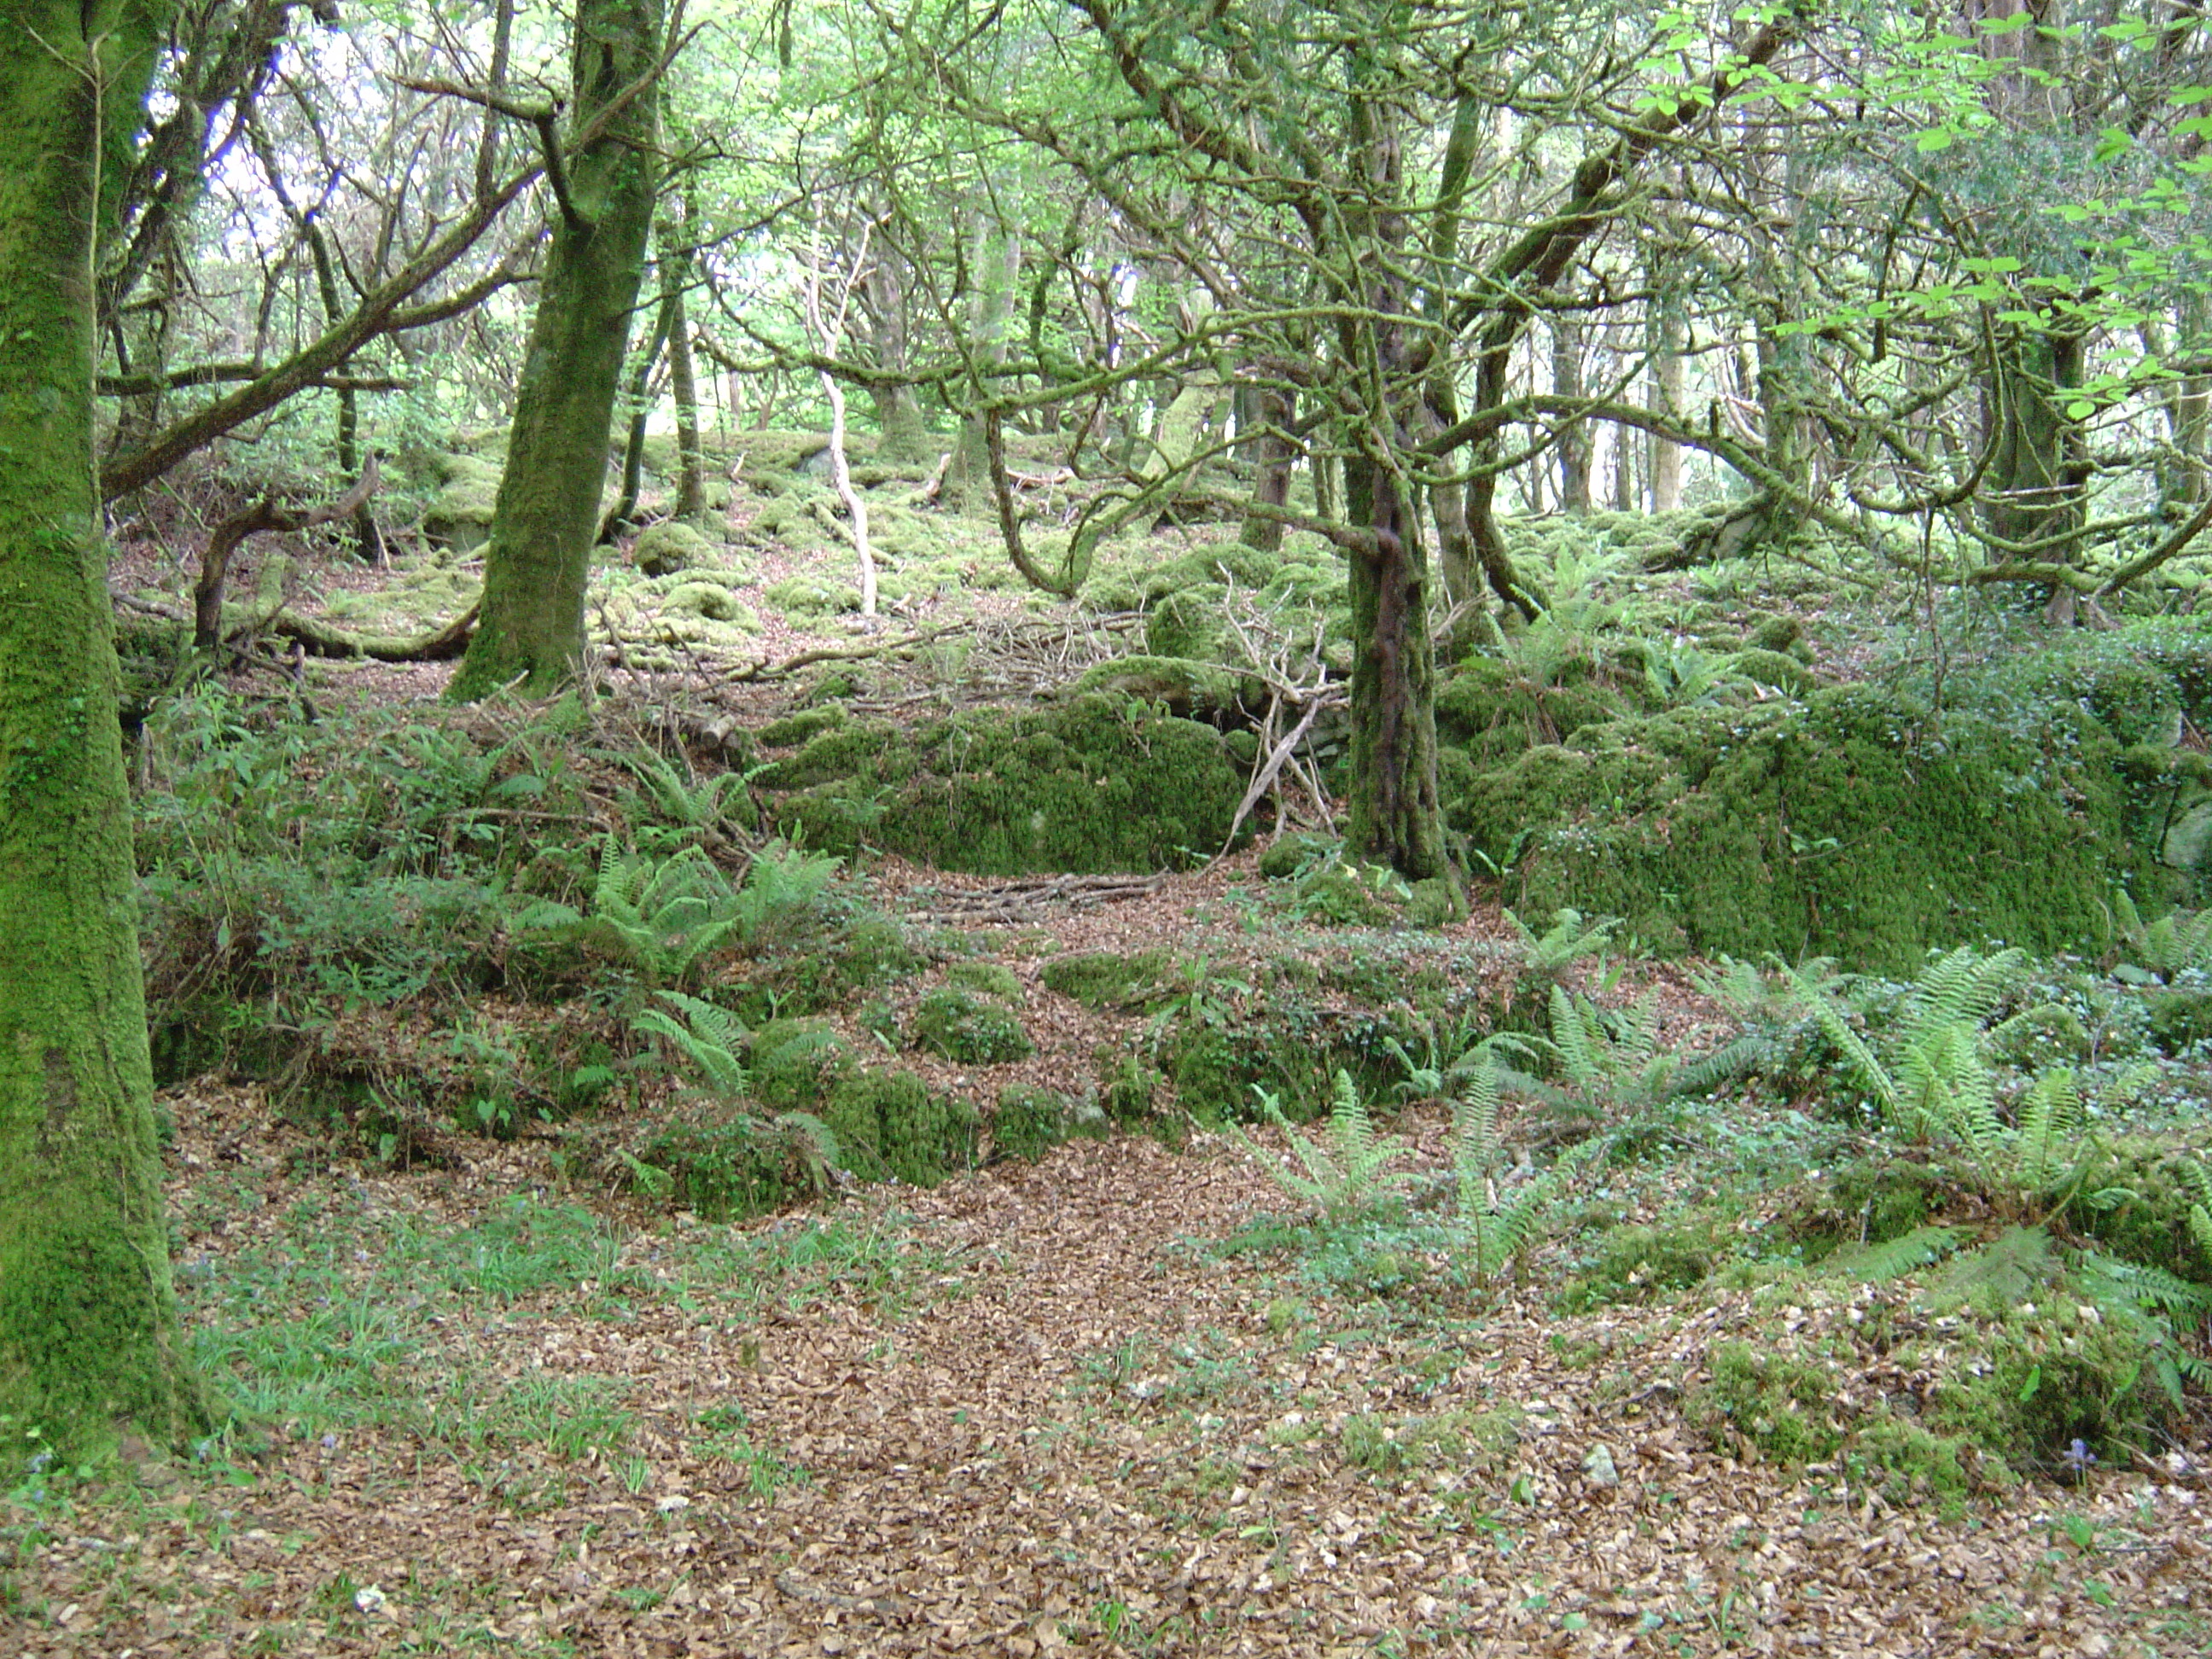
2149	1288
1725	1065
1859	1065
1964	985
816	1143
1874	1264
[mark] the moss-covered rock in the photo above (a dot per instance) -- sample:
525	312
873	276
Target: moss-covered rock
1193	691
955	1024
793	730
811	596
459	515
1101	979
1096	784
890	1123
724	1165
1028	1122
711	601
672	545
1854	825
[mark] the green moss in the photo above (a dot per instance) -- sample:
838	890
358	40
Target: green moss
865	953
1774	631
952	1023
811	596
1132	1088
1096	784
990	978
1783	1404
911	1134
795	1061
1104	979
867	749
459	516
1851	826
669	546
793	730
1774	669
1028	1122
1182	687
1644	1263
711	601
724	1167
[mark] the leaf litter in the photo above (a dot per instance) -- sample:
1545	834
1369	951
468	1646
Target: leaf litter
1037	1410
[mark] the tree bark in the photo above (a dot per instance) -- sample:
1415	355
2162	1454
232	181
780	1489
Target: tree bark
530	630
89	1330
1274	407
1574	442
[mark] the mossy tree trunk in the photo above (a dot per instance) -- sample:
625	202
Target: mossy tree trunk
89	1335
530	632
1396	816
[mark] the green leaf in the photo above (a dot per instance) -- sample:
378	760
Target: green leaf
1936	138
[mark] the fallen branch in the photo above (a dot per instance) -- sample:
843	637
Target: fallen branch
230	535
764	670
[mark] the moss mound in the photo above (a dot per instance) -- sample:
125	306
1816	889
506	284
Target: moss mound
1097	784
888	1123
663	548
1028	1122
1100	979
1854	825
970	1032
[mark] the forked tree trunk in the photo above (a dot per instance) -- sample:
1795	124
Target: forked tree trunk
88	1333
530	629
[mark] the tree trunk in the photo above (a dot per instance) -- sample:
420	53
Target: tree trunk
530	628
999	255
1667	397
1396	816
1274	408
88	1333
2037	477
683	387
623	512
1574	440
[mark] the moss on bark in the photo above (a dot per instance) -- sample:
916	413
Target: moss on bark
536	564
88	1320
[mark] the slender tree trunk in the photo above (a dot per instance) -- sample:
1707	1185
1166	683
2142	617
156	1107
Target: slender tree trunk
1574	441
623	512
1273	450
89	1333
530	628
999	255
683	387
1666	395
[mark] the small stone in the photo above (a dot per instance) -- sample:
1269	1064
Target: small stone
1598	1467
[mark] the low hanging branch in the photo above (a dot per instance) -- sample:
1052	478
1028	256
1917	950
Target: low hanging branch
230	535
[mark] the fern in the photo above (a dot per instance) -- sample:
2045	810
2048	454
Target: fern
663	916
708	1037
700	809
1571	937
1499	1228
1341	1172
1875	1264
815	1144
783	883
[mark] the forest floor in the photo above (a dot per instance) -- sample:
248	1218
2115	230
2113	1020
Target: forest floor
1122	1399
1092	1404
